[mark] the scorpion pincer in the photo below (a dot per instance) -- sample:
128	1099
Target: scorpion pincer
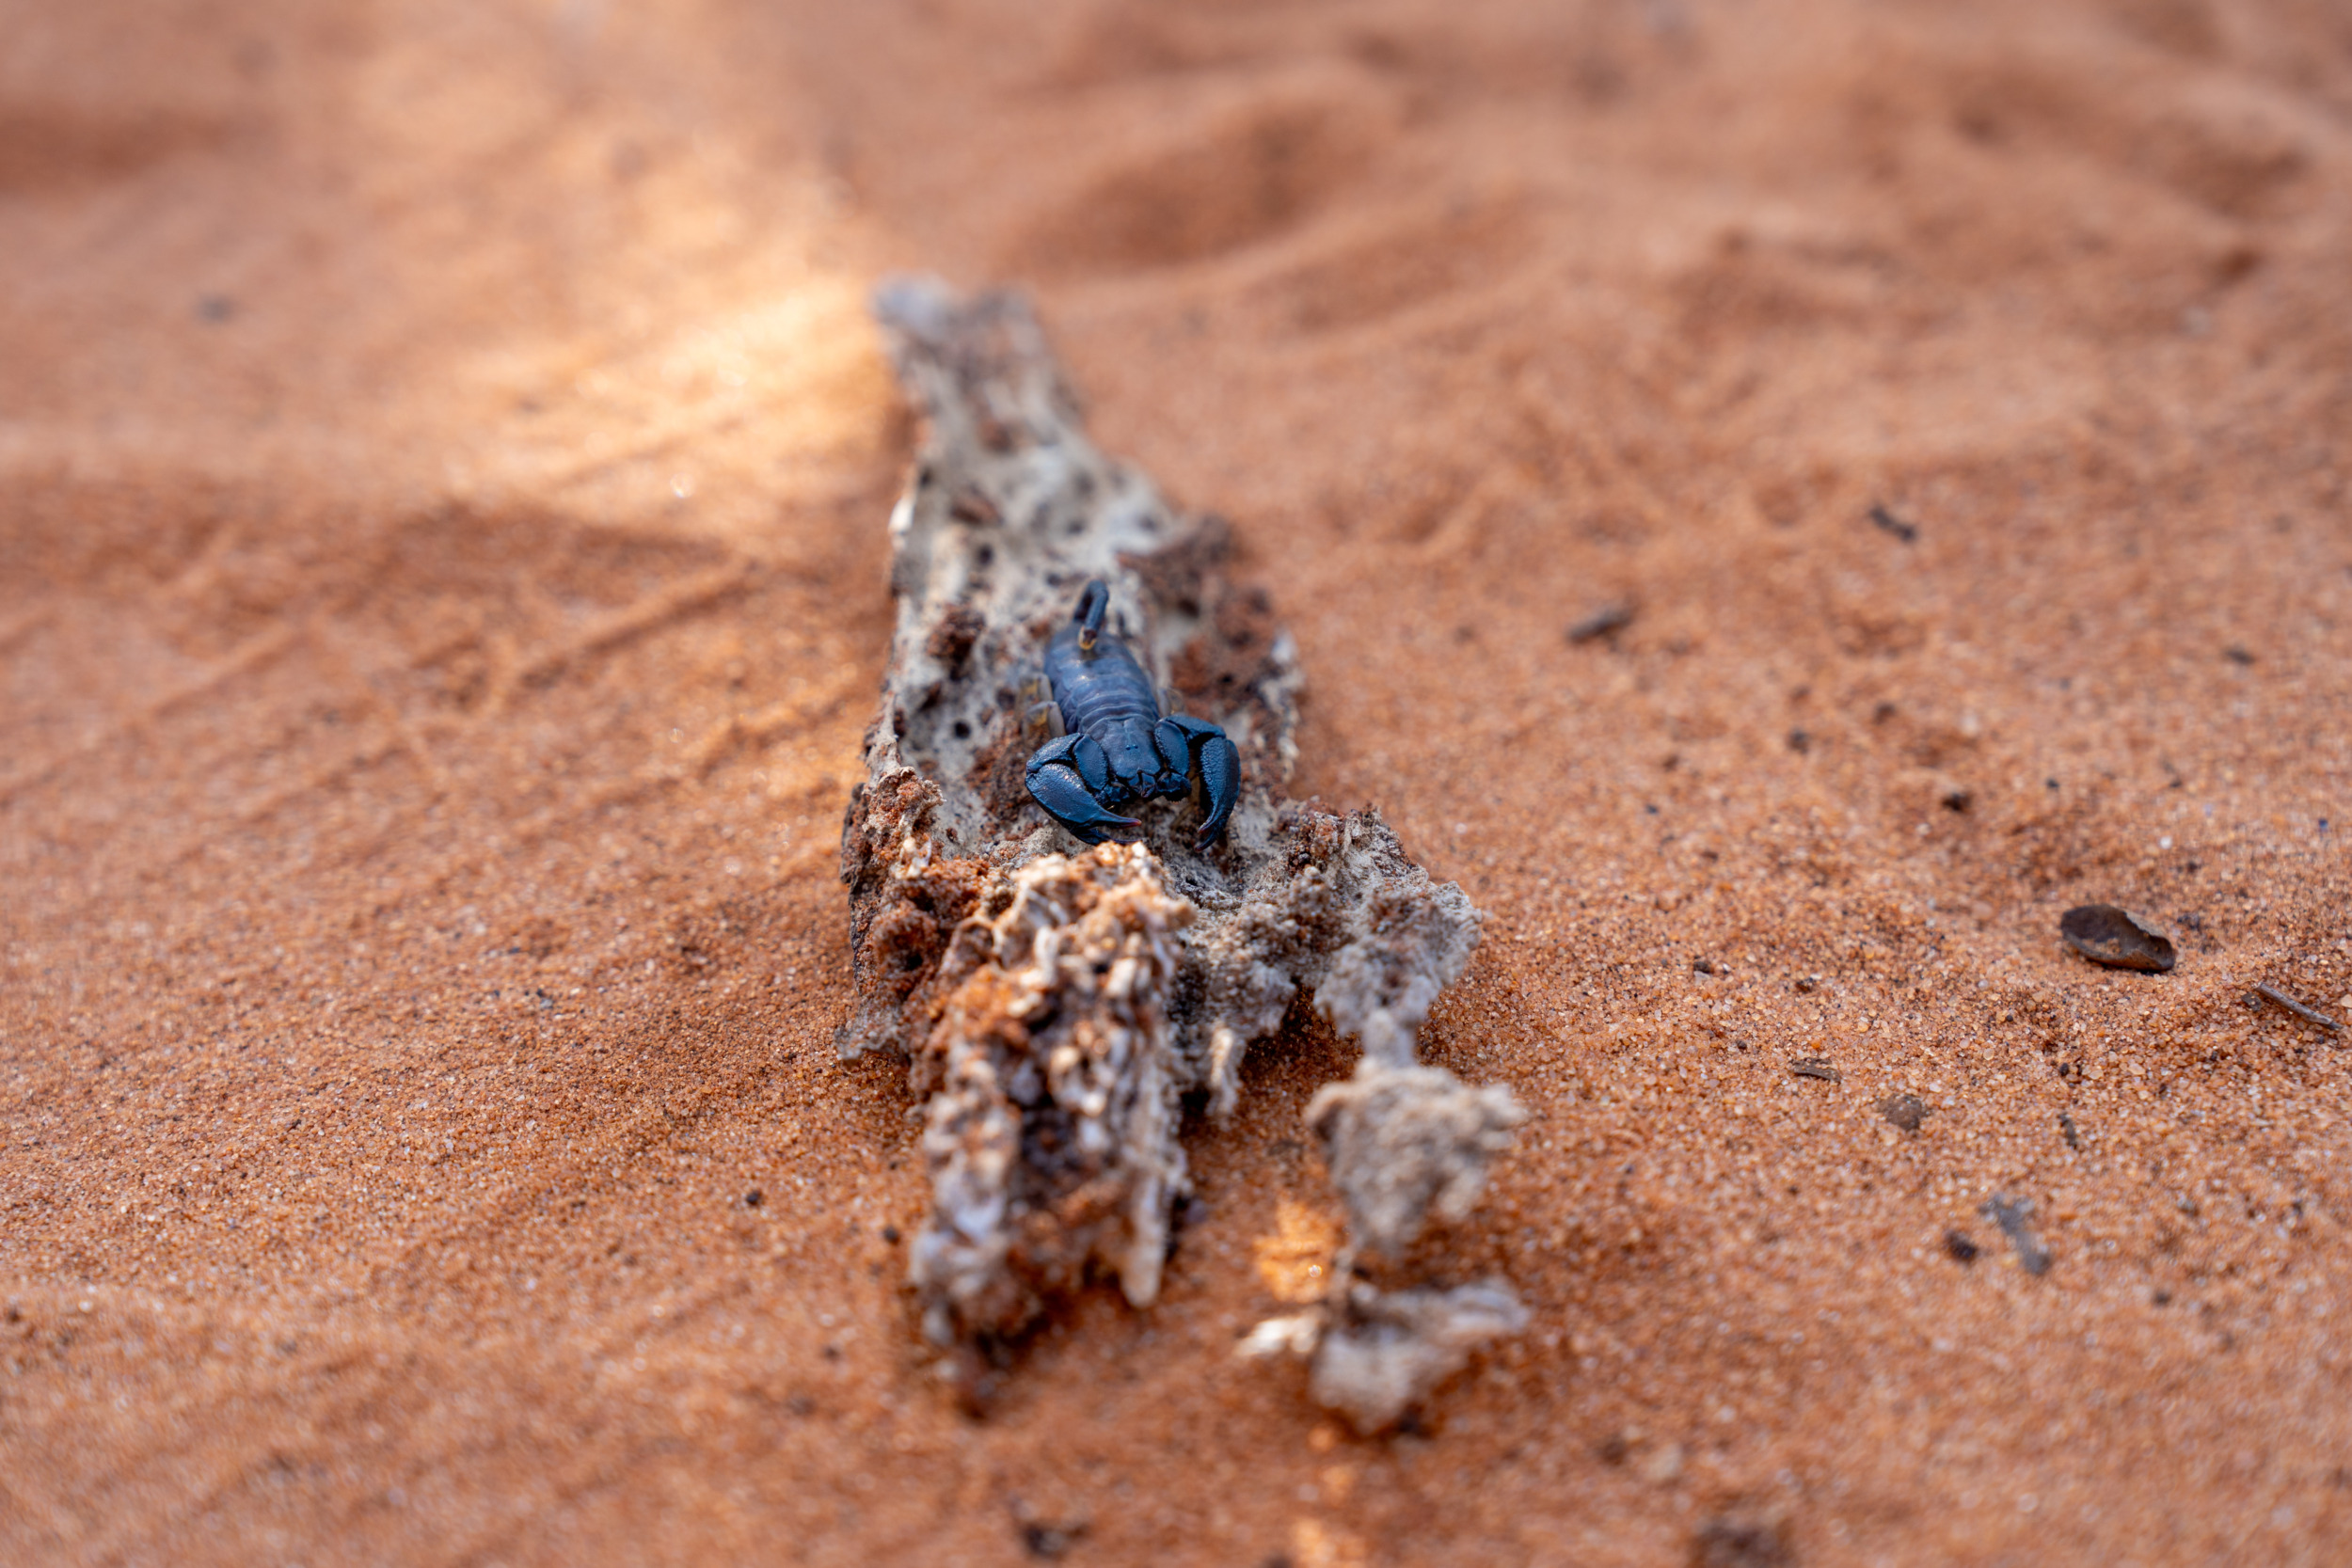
1117	748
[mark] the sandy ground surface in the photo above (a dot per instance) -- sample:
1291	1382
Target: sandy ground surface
443	460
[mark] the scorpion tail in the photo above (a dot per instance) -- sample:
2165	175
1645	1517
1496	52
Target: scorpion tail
1093	604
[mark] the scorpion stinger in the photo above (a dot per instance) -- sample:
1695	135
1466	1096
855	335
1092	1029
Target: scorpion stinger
1093	604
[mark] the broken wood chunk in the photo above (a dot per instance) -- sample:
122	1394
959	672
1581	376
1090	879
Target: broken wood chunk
1058	1004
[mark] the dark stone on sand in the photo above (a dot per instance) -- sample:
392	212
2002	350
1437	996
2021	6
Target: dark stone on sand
1737	1541
2112	937
1906	1111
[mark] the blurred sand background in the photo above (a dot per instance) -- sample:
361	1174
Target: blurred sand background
443	464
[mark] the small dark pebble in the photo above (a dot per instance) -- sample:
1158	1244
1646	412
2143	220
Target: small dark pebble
1050	1540
1887	522
1817	1066
1906	1111
1807	983
1958	1244
753	1198
1734	1542
890	1234
1603	621
1956	799
1705	966
2162	1298
2010	1215
1800	741
2066	1126
2238	655
1613	1448
2112	937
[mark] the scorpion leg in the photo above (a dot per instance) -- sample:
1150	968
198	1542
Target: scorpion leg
1213	752
1042	713
1063	777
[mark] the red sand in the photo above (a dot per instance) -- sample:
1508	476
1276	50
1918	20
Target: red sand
445	469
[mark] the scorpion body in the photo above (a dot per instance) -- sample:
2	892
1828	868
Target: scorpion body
1117	746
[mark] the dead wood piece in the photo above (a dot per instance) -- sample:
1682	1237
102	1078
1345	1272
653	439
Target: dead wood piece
1405	1143
1056	1005
1383	1351
1051	1128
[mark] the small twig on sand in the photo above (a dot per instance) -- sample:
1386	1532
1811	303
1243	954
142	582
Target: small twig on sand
2308	1015
1604	622
2013	1215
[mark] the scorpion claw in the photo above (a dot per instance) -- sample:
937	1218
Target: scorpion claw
1200	744
1220	783
1057	788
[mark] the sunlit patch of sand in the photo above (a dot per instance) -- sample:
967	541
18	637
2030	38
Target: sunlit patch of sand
1294	1259
703	428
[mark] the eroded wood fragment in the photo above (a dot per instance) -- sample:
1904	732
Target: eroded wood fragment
1057	1003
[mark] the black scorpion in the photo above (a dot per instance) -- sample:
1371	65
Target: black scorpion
1117	748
